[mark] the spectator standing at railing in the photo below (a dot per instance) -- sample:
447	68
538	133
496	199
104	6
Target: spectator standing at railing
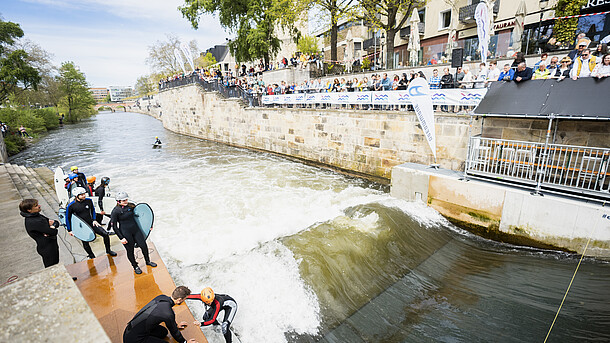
564	70
519	58
446	83
581	46
543	58
541	73
386	84
459	77
523	73
467	81
403	83
435	80
600	50
481	77
493	74
603	68
507	73
583	65
554	64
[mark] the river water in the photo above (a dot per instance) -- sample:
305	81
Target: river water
311	255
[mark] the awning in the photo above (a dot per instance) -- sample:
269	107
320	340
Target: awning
585	98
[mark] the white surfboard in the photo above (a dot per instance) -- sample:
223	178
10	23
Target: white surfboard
60	190
109	204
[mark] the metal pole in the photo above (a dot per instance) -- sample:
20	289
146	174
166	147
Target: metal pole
543	157
468	154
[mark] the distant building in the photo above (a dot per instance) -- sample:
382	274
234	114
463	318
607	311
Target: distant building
225	61
99	94
118	93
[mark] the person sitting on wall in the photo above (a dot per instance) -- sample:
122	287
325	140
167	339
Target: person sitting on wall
523	73
583	65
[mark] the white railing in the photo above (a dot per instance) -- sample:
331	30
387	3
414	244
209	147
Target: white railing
567	168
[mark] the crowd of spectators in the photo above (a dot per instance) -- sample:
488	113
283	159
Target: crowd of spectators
581	62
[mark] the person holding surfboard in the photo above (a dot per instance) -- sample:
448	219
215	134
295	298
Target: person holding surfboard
42	230
82	179
100	192
83	208
145	326
123	221
214	304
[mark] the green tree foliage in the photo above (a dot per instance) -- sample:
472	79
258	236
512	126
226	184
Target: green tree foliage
307	44
388	15
253	21
565	29
336	10
145	85
34	120
16	72
77	100
204	61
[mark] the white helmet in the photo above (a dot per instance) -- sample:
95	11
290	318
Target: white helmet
121	195
78	191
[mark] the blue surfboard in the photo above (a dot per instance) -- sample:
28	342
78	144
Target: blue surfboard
144	218
81	229
62	216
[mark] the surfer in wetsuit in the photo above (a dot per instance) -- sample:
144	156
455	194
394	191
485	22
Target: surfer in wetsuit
157	141
42	230
82	179
124	223
100	192
82	207
214	304
144	326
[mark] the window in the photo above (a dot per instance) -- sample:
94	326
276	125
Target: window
444	19
422	15
357	45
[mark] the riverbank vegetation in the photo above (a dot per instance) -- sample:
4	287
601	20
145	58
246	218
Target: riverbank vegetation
35	95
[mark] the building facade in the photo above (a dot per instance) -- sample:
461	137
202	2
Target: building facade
99	94
118	93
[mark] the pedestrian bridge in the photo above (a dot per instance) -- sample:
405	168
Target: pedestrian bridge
112	106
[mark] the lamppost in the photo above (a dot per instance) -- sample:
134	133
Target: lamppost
381	51
375	53
543	5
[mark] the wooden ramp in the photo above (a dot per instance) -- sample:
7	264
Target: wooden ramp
115	293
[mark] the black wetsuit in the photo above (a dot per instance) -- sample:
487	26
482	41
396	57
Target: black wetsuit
210	317
37	227
100	192
85	211
124	223
145	328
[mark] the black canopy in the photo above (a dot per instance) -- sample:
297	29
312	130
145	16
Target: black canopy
585	98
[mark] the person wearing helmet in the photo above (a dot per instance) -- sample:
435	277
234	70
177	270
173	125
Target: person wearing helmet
123	221
157	141
145	325
82	207
82	179
100	192
90	185
214	303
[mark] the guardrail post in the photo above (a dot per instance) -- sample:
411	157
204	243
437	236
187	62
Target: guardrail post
541	170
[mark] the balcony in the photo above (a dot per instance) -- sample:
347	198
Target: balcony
467	12
368	43
405	32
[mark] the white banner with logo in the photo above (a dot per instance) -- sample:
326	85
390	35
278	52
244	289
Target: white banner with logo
463	97
419	92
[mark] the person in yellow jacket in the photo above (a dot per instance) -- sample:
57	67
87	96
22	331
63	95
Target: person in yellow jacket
583	65
541	72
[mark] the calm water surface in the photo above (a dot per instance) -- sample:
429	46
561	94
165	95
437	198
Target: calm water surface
311	255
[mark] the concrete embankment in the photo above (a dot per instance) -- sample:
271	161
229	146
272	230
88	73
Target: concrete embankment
507	213
40	304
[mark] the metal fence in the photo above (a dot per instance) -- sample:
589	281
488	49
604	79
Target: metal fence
566	168
215	85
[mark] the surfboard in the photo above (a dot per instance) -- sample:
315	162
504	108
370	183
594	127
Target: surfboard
157	146
81	230
144	218
60	190
109	204
62	216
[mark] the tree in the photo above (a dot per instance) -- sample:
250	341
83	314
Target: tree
204	61
253	21
161	57
48	90
145	85
77	99
337	10
307	44
16	72
565	29
390	16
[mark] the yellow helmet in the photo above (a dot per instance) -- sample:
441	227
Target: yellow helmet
73	168
207	295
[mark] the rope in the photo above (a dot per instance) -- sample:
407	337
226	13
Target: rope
579	15
570	285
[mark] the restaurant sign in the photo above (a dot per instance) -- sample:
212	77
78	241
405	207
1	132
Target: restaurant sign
595	3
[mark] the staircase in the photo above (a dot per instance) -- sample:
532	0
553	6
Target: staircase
18	254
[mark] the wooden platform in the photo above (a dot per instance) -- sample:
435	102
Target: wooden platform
115	293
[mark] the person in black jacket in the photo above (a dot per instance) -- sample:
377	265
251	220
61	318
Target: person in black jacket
123	221
214	304
84	209
100	193
144	326
43	230
523	73
446	83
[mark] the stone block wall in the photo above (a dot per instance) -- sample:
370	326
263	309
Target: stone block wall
364	142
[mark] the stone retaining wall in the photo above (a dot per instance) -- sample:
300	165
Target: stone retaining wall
364	142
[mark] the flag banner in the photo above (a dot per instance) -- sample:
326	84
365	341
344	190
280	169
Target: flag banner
187	53
179	59
463	97
481	15
419	92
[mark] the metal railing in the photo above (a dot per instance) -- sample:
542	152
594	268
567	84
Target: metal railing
569	169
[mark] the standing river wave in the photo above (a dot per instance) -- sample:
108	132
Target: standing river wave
311	255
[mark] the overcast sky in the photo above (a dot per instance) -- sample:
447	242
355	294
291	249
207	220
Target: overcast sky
107	39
